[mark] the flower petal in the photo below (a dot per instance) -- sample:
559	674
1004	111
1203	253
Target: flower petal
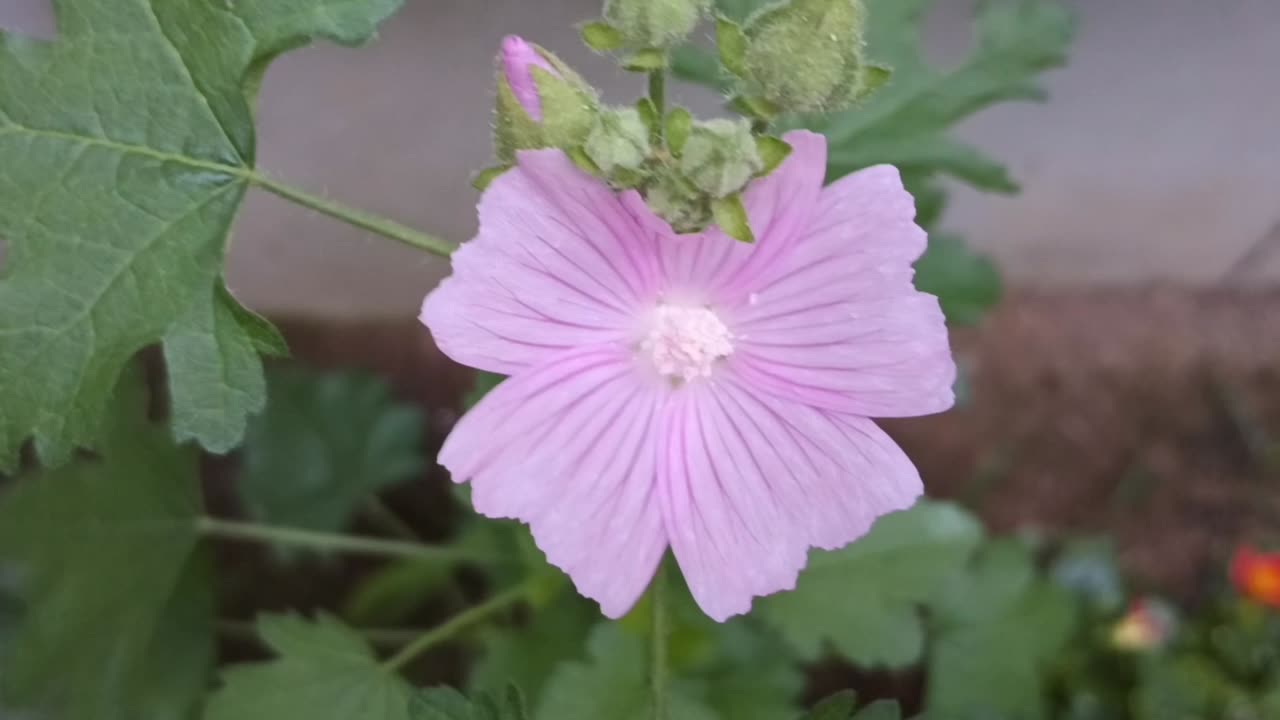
558	263
569	447
837	323
750	484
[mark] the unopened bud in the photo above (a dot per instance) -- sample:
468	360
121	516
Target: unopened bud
807	55
720	157
619	141
654	23
675	200
541	101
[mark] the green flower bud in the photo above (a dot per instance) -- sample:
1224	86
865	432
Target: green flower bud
542	103
654	23
720	157
806	55
619	142
675	200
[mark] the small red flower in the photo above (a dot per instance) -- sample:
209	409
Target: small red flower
1257	575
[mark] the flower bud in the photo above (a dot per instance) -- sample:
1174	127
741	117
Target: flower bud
807	55
674	199
618	142
720	157
541	102
654	23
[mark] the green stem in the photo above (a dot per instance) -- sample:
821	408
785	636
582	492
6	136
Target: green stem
658	93
358	218
252	532
659	632
455	625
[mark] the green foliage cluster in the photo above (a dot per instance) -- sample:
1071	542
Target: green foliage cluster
107	610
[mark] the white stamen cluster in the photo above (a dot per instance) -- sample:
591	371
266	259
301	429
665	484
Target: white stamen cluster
684	342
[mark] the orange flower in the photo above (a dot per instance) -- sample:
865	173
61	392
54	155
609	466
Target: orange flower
1257	575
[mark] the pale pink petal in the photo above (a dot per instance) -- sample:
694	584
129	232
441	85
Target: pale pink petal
713	267
837	322
569	447
749	484
518	60
558	263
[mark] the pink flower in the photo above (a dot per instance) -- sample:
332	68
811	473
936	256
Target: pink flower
518	60
691	391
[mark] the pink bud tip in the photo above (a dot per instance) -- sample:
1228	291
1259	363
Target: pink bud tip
518	59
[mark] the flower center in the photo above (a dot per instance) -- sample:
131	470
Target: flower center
684	342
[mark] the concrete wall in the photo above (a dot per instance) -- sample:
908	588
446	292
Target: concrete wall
1157	159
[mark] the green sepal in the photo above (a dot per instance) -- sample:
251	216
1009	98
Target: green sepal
602	37
754	107
485	177
873	78
647	60
579	156
731	215
732	43
773	151
679	126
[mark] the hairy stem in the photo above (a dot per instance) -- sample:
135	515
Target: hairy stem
328	542
359	218
659	632
658	93
455	625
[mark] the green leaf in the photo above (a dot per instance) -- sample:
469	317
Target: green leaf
602	37
527	655
126	147
837	707
391	595
863	599
485	178
114	614
325	671
696	65
733	46
215	375
449	704
880	710
485	381
999	626
967	284
752	676
731	216
326	443
612	683
908	122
